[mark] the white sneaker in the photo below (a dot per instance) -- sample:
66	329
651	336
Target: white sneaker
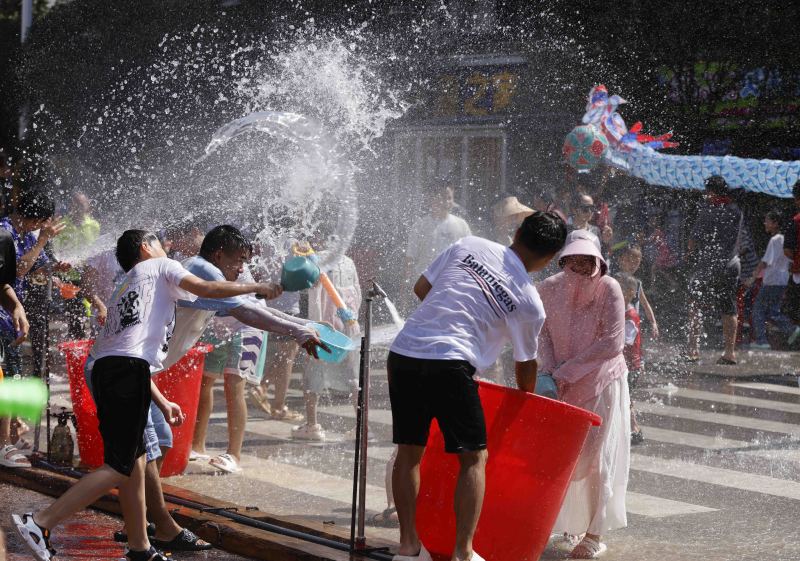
423	556
309	432
35	537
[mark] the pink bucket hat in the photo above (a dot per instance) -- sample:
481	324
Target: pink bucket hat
583	246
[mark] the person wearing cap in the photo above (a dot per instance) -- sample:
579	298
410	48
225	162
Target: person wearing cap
581	346
507	215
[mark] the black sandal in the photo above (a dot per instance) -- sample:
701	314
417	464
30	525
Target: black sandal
726	361
122	537
186	540
151	554
384	518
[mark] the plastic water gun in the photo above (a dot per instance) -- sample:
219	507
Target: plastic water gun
344	313
24	398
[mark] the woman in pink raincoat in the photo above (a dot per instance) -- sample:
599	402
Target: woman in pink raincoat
581	346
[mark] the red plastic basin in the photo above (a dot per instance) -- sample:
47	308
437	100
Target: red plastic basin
180	384
533	443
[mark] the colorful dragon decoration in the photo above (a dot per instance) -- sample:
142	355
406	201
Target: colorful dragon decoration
637	154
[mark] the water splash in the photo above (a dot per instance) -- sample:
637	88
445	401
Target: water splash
314	178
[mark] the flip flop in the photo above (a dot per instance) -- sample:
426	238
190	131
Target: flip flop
186	540
122	537
726	361
226	463
12	458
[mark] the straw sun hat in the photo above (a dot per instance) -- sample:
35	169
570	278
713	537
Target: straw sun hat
510	207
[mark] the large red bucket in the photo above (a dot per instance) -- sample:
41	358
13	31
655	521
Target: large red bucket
533	444
180	384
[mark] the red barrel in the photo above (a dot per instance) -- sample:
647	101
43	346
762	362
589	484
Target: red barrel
180	384
533	444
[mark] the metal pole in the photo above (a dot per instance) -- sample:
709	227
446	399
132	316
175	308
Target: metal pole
26	19
43	367
25	25
357	460
374	292
361	539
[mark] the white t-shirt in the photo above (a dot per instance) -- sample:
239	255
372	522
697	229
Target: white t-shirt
429	237
481	297
141	312
776	273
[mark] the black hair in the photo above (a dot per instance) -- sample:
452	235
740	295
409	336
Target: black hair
227	238
543	233
34	203
716	185
776	216
796	189
129	247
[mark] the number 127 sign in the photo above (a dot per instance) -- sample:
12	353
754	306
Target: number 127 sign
477	93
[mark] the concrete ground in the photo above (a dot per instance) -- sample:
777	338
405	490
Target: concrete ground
716	479
85	537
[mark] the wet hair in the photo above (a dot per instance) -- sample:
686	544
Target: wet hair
543	233
129	247
227	238
627	282
36	204
796	189
775	216
716	185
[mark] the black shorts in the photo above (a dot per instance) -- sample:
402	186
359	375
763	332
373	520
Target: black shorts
716	288
121	390
423	389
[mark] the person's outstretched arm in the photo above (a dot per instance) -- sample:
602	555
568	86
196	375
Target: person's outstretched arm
267	319
228	289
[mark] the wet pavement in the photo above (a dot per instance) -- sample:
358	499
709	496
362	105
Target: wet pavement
716	478
87	536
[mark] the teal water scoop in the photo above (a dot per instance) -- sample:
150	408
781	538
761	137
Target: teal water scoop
299	273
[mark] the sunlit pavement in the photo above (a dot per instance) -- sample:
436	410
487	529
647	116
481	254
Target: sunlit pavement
718	477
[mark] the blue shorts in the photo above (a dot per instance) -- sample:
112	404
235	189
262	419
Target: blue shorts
157	433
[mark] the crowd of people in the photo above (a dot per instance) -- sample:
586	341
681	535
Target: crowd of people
554	294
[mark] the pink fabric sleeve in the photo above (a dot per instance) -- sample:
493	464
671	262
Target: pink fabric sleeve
607	346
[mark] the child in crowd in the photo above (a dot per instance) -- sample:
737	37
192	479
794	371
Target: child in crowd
629	261
321	376
134	339
633	344
774	271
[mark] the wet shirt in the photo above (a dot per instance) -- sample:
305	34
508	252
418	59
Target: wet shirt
141	312
716	233
481	297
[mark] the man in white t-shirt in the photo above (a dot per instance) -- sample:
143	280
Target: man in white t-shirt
476	296
433	233
774	267
134	339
